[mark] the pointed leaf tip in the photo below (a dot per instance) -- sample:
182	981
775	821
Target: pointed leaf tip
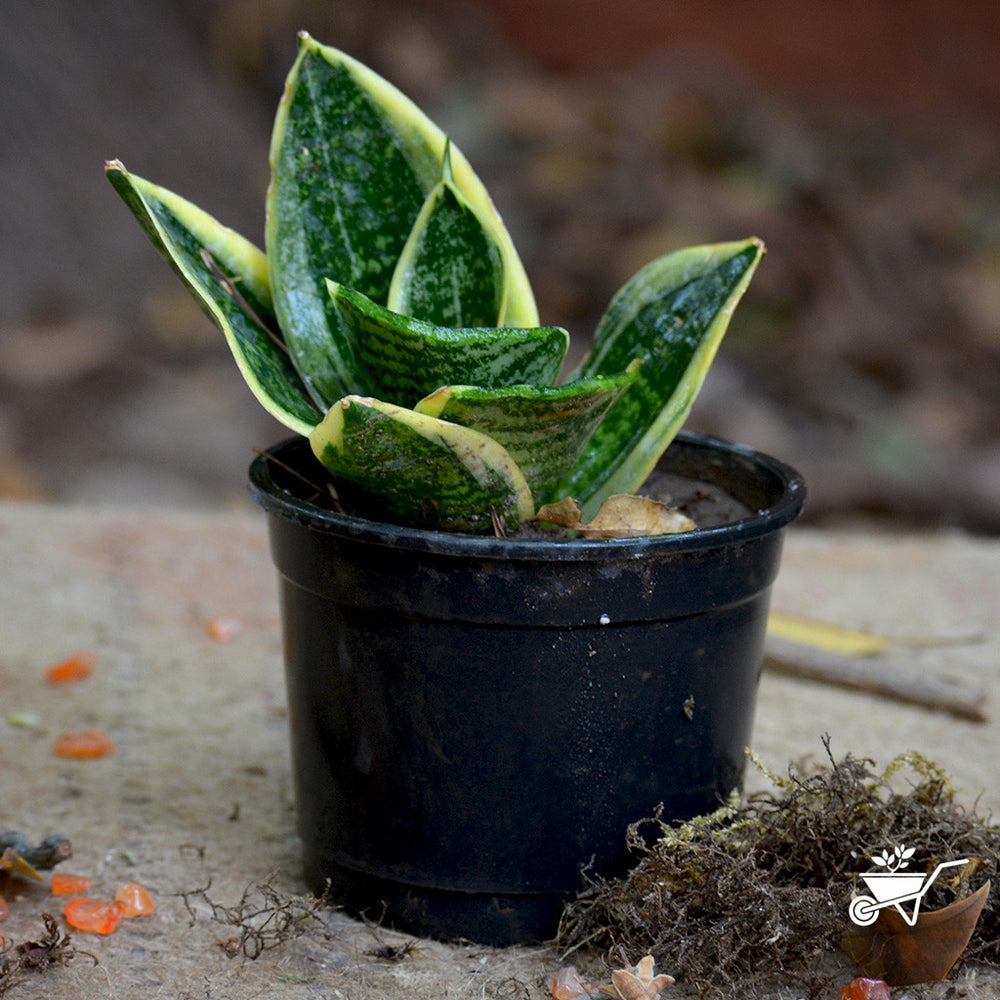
342	204
673	313
450	271
227	276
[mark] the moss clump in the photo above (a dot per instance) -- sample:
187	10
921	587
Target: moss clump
757	893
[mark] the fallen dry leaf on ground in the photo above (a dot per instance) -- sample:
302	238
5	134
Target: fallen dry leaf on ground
12	862
634	983
638	982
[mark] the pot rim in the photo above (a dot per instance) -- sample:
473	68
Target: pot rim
279	502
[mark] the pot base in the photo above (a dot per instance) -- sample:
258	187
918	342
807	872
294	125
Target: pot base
495	919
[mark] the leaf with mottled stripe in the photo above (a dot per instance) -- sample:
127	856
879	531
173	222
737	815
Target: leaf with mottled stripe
403	359
673	315
420	471
450	272
352	164
227	275
544	429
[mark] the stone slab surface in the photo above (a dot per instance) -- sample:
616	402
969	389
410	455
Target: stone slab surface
198	793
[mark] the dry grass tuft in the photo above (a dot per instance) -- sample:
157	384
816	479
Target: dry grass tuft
757	894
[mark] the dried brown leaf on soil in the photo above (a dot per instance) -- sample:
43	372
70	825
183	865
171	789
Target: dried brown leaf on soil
620	516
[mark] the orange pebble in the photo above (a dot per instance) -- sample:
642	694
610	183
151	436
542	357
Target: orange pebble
84	744
137	900
865	989
64	884
99	916
224	629
567	984
77	667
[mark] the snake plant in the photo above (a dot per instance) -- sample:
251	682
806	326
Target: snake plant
391	321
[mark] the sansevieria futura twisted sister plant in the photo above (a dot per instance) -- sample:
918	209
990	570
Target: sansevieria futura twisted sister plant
391	320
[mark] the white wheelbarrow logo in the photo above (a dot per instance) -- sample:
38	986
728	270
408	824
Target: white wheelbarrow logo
892	887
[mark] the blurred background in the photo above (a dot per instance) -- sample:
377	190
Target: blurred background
861	141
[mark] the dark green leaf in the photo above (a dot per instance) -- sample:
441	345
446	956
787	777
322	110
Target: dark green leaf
451	272
404	359
672	315
544	429
353	162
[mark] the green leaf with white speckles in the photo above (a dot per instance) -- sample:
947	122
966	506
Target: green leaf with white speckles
545	429
353	162
420	471
451	271
227	275
673	315
403	359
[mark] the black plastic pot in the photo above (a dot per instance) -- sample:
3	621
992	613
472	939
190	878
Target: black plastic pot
474	719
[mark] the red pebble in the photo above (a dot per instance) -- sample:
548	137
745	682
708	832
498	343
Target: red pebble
77	667
99	916
64	884
84	745
865	989
136	900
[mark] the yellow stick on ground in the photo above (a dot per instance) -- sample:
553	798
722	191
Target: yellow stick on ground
822	635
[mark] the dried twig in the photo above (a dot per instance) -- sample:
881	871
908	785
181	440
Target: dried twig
877	675
264	917
229	285
53	948
45	855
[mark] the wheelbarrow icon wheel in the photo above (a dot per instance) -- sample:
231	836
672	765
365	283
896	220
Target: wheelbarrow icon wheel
863	910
